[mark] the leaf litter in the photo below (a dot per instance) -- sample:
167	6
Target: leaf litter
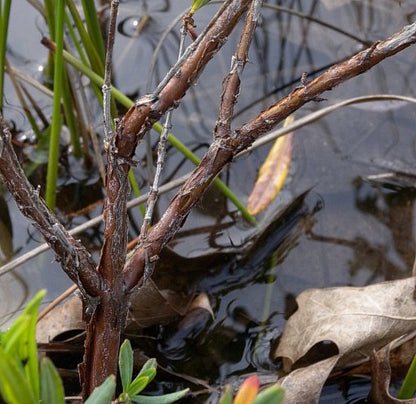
358	320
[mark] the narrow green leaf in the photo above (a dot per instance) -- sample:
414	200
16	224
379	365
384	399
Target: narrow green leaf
4	24
125	364
197	4
14	386
409	384
14	336
165	399
103	394
137	385
52	172
51	387
150	364
30	349
273	394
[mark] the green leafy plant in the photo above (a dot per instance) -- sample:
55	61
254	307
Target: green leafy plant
24	380
132	388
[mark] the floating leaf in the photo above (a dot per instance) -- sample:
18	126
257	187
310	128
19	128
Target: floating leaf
272	173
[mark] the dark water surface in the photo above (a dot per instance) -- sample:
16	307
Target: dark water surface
347	230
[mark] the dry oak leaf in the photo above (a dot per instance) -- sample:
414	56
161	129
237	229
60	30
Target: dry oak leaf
357	319
303	386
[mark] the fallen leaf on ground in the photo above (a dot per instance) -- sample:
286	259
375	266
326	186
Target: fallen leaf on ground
272	173
357	319
304	385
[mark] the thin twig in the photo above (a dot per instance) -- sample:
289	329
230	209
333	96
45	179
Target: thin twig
74	258
161	155
108	126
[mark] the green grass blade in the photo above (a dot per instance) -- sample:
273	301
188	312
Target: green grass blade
409	383
4	25
93	27
52	173
96	60
70	117
51	387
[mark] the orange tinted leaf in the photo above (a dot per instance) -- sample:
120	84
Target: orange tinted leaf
272	173
248	391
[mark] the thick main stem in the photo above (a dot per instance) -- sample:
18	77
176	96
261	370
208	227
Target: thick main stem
106	324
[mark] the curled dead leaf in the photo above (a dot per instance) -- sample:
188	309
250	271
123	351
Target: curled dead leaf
381	372
357	319
272	173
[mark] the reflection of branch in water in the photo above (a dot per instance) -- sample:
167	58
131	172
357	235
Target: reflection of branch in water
365	256
394	209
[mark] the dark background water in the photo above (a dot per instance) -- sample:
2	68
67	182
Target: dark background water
347	230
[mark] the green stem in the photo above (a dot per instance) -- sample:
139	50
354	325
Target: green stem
409	384
4	25
52	172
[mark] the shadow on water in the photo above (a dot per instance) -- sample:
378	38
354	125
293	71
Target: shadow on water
348	230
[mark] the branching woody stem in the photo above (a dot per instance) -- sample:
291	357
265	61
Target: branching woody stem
104	329
74	258
224	149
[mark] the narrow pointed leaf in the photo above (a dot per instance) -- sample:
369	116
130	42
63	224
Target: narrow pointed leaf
51	387
272	173
14	386
125	364
146	369
103	394
137	385
165	399
197	4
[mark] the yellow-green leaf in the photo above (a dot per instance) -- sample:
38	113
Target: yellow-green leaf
272	173
197	4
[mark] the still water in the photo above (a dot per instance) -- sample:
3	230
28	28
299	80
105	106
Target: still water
349	229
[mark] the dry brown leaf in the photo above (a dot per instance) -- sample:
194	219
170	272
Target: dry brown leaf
61	319
149	306
272	173
304	385
380	381
357	319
